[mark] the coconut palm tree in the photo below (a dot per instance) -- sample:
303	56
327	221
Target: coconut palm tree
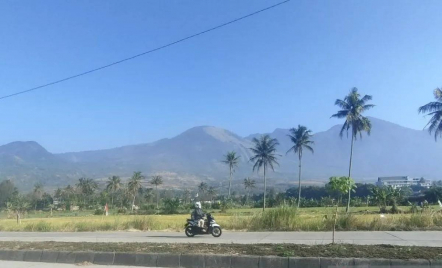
211	192
301	139
37	194
264	156
202	188
113	185
249	185
87	188
134	185
157	180
352	107
232	160
434	109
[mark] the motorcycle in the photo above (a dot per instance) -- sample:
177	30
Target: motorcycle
192	228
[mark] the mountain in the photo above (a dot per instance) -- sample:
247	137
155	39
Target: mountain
390	150
28	163
196	155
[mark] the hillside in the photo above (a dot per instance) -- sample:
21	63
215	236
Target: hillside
196	155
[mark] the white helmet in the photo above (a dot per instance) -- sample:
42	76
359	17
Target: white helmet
198	205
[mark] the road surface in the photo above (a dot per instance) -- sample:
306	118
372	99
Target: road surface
17	264
418	238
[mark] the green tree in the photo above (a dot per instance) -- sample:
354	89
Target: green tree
37	194
7	191
352	108
157	180
380	194
395	196
18	205
434	109
342	185
232	160
87	188
301	139
211	192
202	189
113	185
134	185
264	151
249	185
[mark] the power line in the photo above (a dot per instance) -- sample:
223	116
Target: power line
142	54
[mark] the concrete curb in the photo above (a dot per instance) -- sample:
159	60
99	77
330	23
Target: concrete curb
207	261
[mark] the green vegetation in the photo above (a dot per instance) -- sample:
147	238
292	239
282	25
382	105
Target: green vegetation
352	108
232	160
434	109
301	138
264	155
284	218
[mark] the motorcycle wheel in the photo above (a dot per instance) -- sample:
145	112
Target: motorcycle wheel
216	231
189	232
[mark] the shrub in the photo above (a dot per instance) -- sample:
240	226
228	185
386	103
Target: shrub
279	219
99	211
171	205
122	211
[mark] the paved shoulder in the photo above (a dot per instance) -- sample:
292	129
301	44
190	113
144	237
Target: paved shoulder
16	264
409	238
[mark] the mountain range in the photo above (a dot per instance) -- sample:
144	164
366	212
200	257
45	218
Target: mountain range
195	155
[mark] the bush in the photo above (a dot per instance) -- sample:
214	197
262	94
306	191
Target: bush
171	205
279	219
99	211
122	211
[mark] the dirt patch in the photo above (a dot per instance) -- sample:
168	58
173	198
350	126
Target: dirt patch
339	250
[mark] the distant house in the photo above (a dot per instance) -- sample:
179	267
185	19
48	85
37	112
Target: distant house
403	181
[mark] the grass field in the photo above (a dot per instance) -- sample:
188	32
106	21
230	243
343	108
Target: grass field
279	219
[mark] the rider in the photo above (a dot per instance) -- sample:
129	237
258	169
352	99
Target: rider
198	215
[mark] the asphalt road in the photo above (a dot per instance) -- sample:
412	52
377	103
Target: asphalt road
16	264
418	238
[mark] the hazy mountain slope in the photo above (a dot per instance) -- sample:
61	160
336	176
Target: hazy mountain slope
28	162
389	150
196	155
196	151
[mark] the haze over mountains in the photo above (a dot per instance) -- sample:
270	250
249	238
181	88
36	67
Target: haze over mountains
195	155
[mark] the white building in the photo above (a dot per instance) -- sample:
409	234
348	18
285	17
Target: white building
402	181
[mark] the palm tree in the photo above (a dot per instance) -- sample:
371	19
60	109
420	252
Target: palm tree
87	188
202	188
352	108
211	192
134	186
113	185
156	180
249	184
37	194
435	110
232	160
301	138
264	155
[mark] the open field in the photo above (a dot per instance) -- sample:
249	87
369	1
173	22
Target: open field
338	250
278	219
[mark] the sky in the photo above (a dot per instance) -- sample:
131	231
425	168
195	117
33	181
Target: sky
277	69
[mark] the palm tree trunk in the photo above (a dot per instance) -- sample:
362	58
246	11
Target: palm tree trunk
299	183
230	180
112	200
133	202
349	172
158	196
265	189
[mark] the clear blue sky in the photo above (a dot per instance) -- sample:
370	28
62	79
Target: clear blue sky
275	70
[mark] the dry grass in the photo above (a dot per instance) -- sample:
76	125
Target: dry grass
279	219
